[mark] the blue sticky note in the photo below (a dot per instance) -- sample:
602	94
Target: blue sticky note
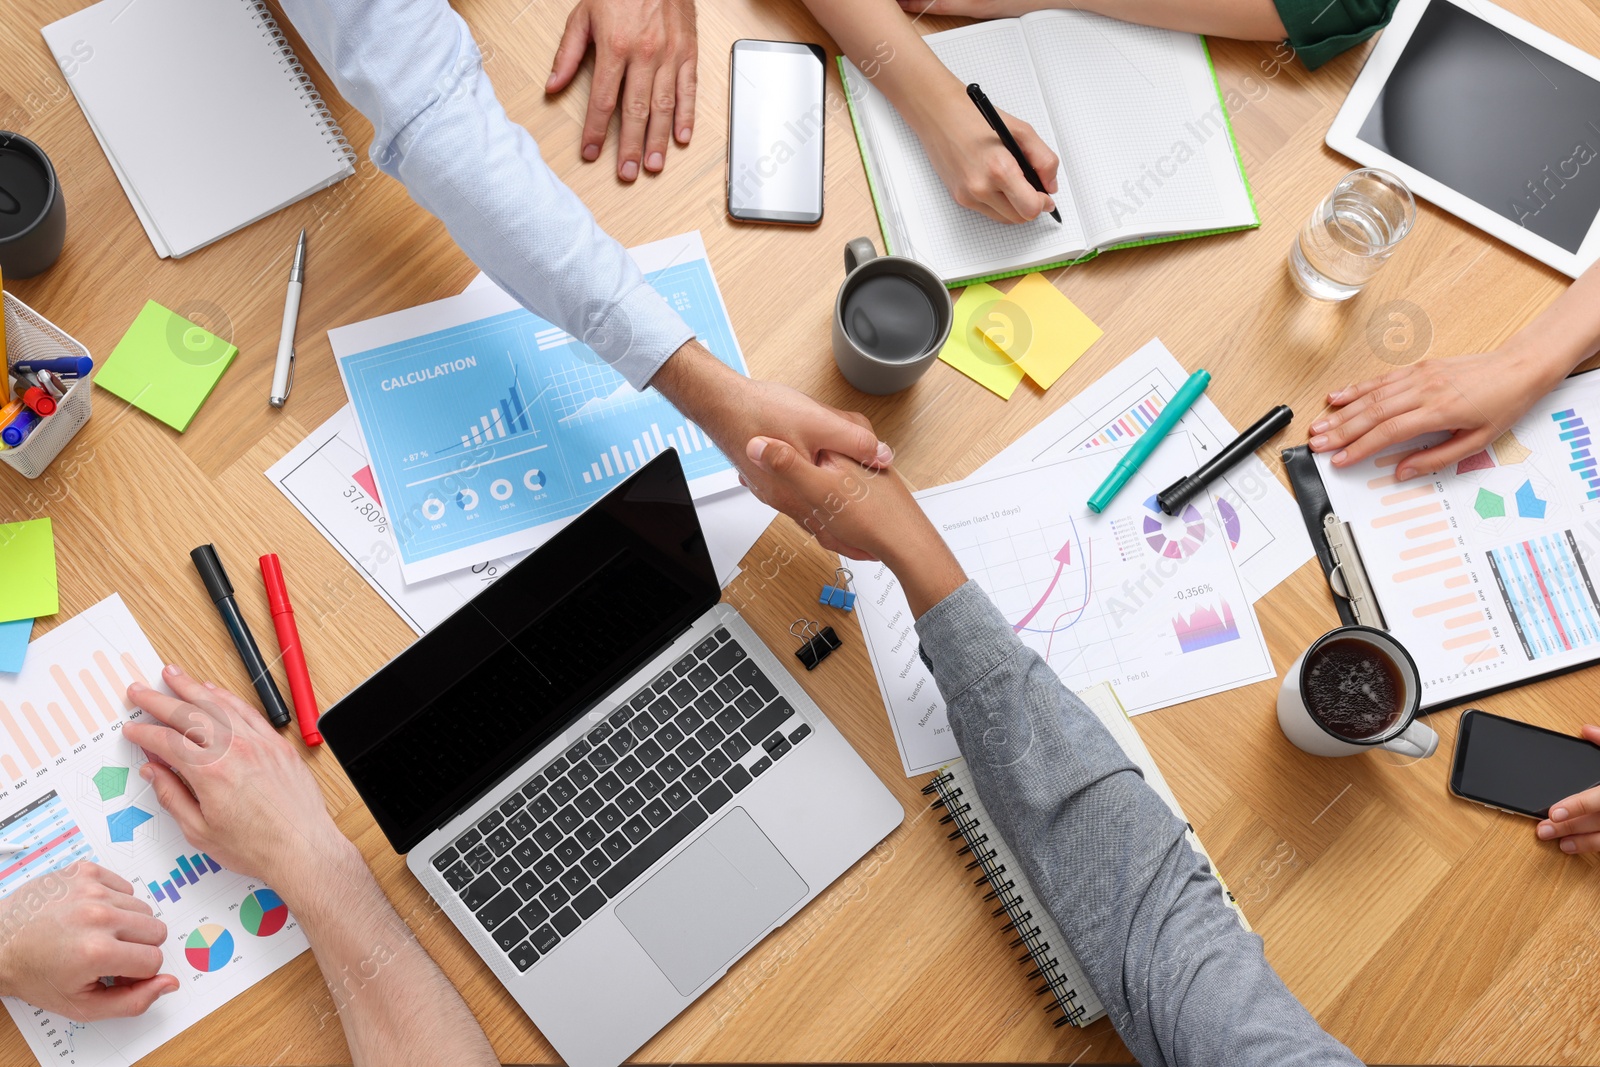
14	644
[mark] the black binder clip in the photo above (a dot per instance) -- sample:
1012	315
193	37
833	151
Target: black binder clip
838	595
815	645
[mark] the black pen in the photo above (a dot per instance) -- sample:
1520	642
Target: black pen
221	593
1181	491
992	117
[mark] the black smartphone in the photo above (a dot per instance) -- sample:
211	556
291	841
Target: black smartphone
777	121
1518	767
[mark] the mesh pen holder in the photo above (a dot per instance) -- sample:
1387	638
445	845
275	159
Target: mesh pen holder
29	335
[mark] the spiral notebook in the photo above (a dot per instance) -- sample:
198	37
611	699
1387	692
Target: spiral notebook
1135	114
205	114
1047	950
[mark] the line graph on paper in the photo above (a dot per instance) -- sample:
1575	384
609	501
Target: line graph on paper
1098	597
1122	596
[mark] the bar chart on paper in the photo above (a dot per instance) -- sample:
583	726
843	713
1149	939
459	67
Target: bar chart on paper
58	704
79	796
1433	585
487	427
1130	424
617	462
186	873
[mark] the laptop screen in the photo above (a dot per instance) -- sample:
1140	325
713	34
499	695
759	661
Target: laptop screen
482	691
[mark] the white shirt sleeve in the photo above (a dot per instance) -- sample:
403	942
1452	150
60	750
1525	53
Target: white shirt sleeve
413	68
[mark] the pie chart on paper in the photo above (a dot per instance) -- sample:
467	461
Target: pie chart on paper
263	913
209	947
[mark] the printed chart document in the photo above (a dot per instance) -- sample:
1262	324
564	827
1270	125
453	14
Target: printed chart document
488	428
1151	604
1486	572
1260	518
70	790
328	478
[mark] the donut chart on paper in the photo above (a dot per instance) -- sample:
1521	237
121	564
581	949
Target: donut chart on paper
1176	546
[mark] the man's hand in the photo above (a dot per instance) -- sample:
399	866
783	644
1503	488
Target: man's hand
872	509
1476	398
813	429
1576	820
733	409
238	790
644	64
61	932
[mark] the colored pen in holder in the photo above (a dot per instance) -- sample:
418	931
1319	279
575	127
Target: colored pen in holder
815	645
838	595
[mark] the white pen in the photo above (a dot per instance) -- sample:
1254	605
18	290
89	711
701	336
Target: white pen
9	849
283	372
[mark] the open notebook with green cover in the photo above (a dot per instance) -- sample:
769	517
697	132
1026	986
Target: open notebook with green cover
1135	113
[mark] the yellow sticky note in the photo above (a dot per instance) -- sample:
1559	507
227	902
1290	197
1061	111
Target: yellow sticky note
969	352
1040	329
27	570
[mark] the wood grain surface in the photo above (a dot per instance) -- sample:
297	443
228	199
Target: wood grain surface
1416	927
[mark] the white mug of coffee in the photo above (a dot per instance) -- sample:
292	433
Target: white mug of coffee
1355	689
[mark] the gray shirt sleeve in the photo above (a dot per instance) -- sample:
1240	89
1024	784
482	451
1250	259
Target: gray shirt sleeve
1182	981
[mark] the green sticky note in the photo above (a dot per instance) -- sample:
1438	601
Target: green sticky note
166	366
27	570
969	351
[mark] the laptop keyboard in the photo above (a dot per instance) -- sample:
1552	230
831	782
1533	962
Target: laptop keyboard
603	812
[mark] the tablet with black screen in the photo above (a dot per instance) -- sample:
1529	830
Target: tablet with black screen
1490	118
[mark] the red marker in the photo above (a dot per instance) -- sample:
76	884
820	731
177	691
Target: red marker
294	658
40	401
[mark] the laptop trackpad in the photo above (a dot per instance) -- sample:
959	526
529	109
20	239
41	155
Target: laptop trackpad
714	898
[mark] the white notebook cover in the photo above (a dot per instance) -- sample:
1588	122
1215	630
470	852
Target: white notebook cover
202	111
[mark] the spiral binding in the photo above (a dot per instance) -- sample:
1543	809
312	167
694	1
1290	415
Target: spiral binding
332	134
1004	889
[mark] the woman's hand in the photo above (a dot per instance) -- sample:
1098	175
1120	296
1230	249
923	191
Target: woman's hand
977	168
977	9
872	510
1575	821
1477	398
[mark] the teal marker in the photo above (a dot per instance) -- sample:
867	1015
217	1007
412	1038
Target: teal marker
1135	456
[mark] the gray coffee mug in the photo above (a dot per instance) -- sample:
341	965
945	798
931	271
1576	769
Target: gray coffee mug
33	211
882	374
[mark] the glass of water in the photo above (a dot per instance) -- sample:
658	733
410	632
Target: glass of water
1351	234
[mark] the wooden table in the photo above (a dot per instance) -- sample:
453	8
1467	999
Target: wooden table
1416	927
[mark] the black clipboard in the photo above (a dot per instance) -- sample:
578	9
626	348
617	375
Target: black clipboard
1340	559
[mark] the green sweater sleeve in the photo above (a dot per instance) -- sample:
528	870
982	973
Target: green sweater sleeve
1321	29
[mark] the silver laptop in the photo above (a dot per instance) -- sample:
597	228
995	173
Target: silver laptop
604	778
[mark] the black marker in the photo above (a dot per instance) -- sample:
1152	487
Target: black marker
998	125
1181	491
221	593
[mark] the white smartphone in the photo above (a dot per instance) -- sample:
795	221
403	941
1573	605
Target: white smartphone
777	121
